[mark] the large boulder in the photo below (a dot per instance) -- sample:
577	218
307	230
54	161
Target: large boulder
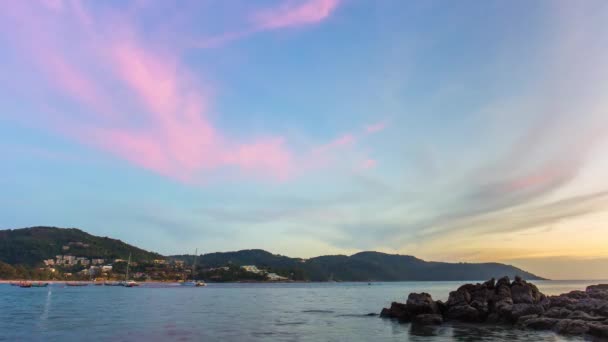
421	303
571	327
539	323
397	311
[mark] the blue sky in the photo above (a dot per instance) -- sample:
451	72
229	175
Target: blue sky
458	131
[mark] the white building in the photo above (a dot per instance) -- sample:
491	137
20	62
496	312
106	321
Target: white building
275	277
252	269
106	268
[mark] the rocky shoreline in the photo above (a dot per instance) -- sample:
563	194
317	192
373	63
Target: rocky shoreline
517	303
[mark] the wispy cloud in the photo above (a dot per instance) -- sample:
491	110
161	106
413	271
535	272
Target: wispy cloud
375	127
294	13
142	103
287	14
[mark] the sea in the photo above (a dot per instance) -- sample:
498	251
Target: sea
341	311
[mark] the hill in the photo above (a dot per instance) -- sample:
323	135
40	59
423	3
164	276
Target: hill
29	246
364	266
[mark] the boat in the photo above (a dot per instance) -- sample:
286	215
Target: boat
28	284
194	282
39	284
127	282
76	284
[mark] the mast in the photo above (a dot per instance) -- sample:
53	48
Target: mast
194	263
128	263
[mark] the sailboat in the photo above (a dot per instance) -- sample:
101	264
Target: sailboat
194	282
129	283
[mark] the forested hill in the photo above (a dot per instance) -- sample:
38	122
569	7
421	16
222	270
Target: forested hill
29	246
364	266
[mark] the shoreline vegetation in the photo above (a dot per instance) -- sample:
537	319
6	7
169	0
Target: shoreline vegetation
518	304
70	254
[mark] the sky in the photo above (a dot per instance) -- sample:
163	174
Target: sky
466	131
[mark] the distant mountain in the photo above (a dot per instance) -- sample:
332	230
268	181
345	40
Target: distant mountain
29	246
364	266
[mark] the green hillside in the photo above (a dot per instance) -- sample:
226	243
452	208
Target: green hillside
29	246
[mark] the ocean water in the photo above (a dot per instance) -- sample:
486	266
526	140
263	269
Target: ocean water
237	312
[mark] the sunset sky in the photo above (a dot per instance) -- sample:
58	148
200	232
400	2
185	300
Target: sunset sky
449	130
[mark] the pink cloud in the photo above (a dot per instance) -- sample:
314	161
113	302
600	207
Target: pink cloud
295	14
289	14
369	164
376	127
166	127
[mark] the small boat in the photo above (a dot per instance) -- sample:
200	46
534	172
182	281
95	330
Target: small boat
39	284
127	282
194	282
131	283
25	284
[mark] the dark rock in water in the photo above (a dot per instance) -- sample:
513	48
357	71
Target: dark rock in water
517	302
421	303
428	319
397	310
464	313
571	327
598	330
539	323
519	310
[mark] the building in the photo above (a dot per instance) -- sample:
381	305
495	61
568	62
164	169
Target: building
83	261
69	260
160	262
252	269
275	277
97	261
49	262
106	268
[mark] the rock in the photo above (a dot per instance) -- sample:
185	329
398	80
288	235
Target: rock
523	319
571	327
602	310
441	306
598	330
587	305
539	323
577	294
519	310
557	312
561	301
504	307
421	303
521	294
519	303
459	297
428	319
397	310
504	281
599	287
464	313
